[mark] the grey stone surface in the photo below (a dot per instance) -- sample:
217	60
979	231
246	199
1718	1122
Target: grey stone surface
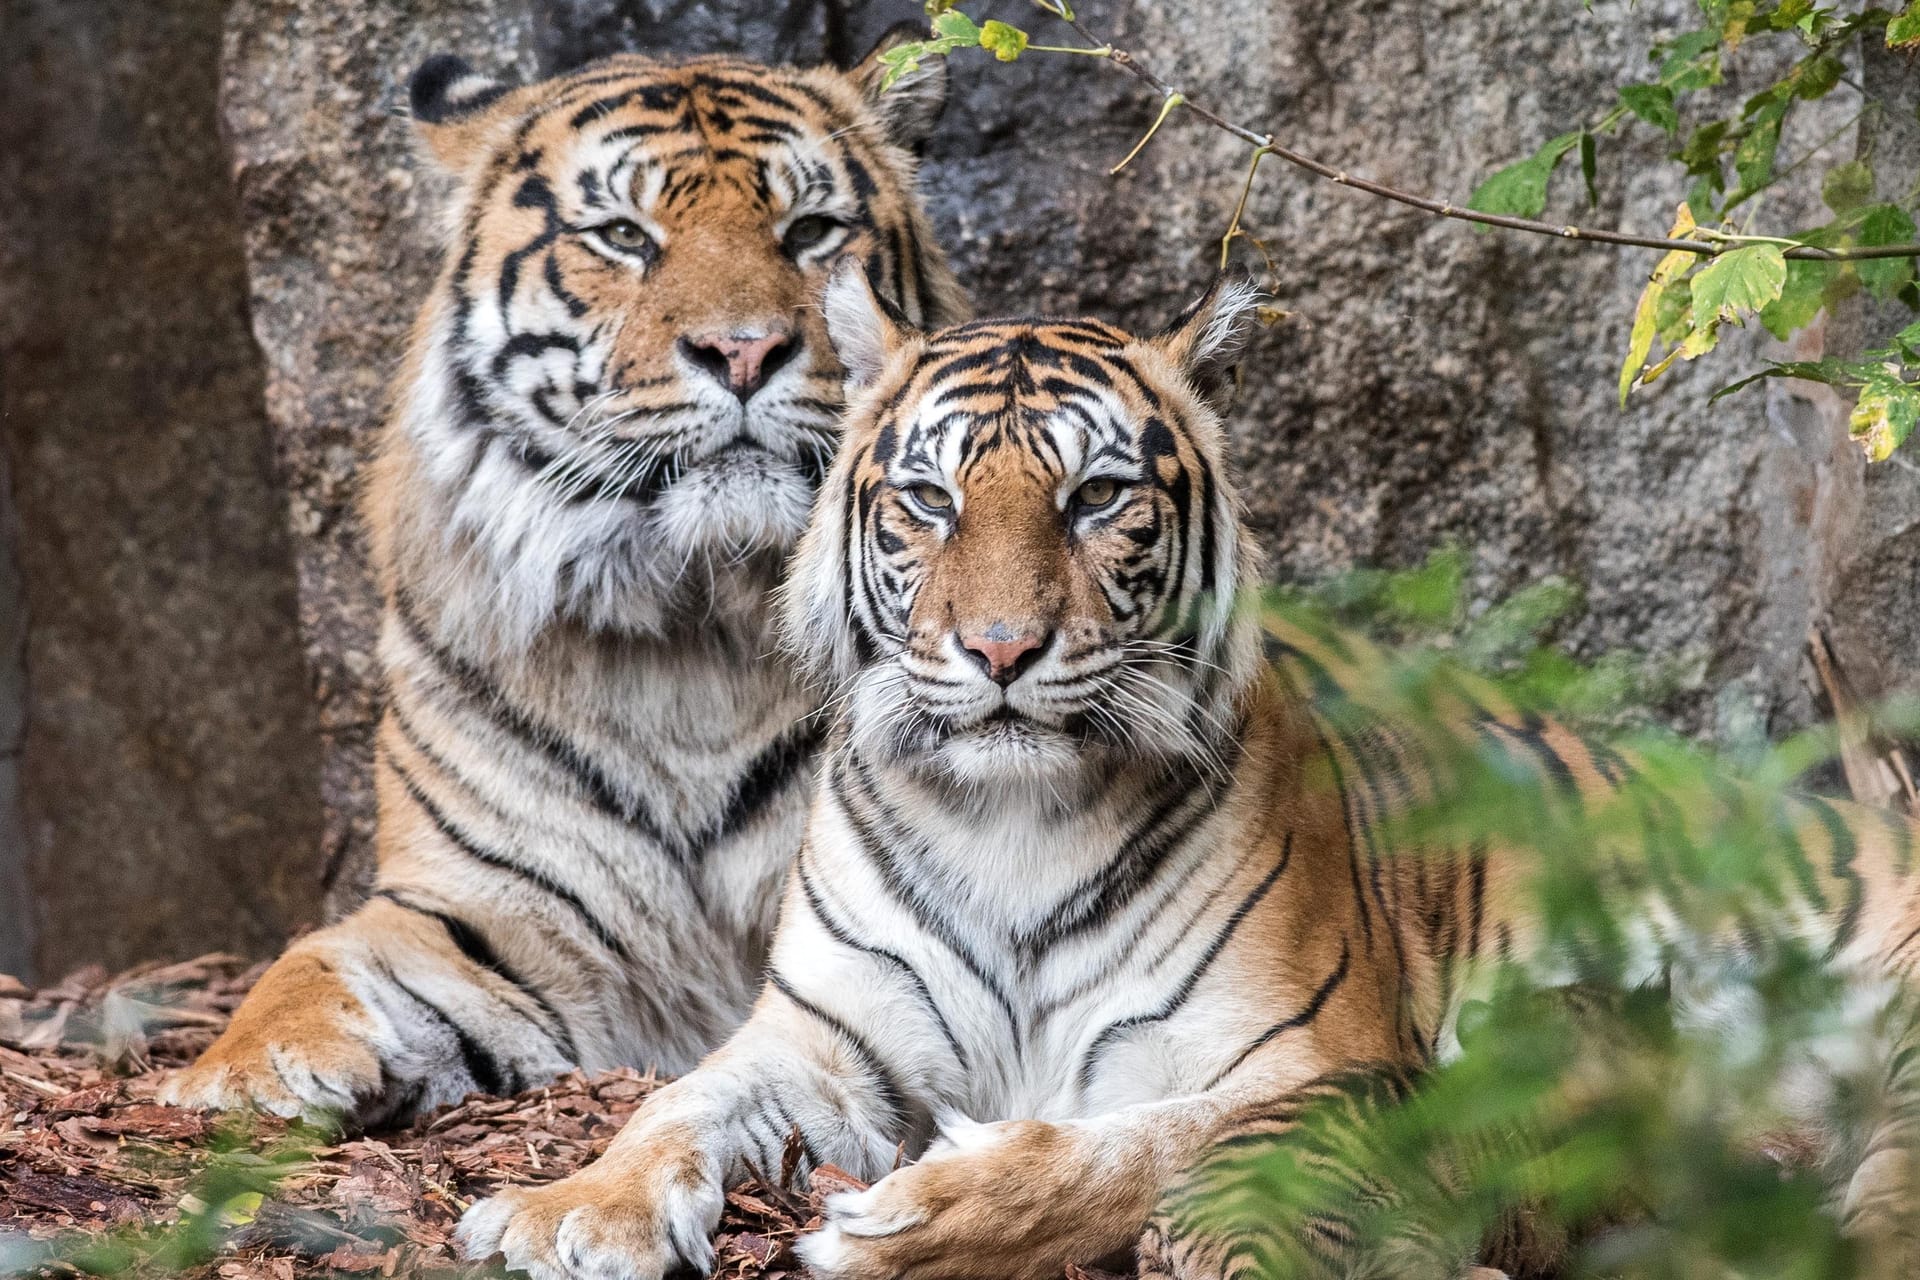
1430	384
167	773
341	246
16	898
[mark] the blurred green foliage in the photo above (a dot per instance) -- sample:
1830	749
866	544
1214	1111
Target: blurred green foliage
1674	1080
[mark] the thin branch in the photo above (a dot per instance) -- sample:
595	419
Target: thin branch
1265	142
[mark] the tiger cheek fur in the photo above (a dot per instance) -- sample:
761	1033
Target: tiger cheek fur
615	410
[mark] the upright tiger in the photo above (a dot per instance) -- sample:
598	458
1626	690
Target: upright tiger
617	405
1077	902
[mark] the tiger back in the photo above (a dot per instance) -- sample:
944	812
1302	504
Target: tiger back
615	408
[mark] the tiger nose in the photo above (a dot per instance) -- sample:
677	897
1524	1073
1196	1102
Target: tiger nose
1003	651
743	359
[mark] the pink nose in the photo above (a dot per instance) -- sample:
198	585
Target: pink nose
741	360
1003	652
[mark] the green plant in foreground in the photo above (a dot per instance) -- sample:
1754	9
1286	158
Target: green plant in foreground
1624	1083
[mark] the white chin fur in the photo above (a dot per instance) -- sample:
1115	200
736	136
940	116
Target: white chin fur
735	503
1003	752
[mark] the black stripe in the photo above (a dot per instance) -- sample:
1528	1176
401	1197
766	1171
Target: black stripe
878	852
1300	1019
889	1090
1172	1003
502	711
479	853
474	946
769	776
1840	864
845	938
482	1067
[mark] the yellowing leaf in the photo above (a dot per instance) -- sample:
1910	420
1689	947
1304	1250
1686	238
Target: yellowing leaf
1646	315
1007	42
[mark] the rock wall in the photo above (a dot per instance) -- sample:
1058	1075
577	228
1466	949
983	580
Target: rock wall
1430	384
167	768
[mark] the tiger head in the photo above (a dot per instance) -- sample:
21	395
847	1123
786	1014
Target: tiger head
622	386
1026	558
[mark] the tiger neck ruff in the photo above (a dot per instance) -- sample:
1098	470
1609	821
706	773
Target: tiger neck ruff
616	408
1083	891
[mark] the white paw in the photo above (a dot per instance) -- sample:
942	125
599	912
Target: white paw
597	1226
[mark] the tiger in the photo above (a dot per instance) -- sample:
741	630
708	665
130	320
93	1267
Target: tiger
593	767
1076	907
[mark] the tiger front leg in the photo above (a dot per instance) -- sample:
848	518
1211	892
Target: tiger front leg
1013	1199
650	1205
377	1017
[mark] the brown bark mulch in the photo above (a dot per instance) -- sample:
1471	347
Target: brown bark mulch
96	1177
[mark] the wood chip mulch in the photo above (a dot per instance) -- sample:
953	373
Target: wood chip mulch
96	1177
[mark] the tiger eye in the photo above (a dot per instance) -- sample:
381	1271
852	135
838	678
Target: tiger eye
931	496
625	233
1097	493
808	231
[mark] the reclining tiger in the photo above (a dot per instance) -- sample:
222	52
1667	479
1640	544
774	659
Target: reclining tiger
593	768
1077	903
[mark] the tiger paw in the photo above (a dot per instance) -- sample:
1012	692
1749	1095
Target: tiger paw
300	1044
1007	1200
617	1220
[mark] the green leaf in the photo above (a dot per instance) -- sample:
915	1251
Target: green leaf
1691	62
1520	189
1589	166
1909	336
1885	224
1006	42
1652	103
1738	283
1847	186
957	27
1801	298
1753	156
1904	31
1816	77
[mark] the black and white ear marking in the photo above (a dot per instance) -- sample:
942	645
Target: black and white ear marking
911	107
1206	340
864	327
446	87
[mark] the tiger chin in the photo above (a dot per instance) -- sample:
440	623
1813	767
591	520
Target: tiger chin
1159	930
615	410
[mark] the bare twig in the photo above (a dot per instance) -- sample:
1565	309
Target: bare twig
1264	143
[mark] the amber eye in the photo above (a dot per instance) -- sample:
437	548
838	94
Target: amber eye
808	231
625	235
931	496
1096	493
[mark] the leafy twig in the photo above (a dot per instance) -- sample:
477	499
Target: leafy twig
1265	143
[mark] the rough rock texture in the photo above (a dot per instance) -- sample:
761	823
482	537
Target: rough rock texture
169	757
1431	383
341	245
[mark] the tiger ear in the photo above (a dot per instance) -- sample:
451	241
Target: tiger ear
864	327
455	108
1206	339
910	107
